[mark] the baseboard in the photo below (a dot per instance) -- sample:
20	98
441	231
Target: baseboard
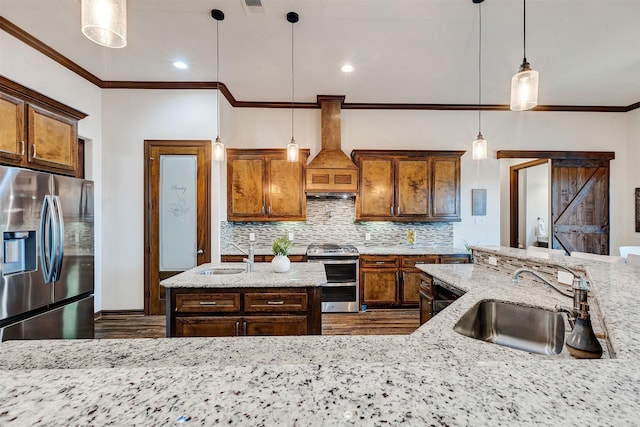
113	313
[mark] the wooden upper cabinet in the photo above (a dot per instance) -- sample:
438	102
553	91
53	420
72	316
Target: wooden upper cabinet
405	185
37	132
53	141
11	129
263	186
376	188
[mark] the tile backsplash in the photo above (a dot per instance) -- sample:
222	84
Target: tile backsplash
331	220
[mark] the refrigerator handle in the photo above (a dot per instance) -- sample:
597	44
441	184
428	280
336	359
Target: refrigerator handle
59	225
46	245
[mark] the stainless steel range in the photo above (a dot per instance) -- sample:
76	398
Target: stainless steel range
341	293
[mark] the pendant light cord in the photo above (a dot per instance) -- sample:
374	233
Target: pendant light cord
293	86
479	68
218	76
524	29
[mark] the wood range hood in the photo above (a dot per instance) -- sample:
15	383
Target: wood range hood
331	172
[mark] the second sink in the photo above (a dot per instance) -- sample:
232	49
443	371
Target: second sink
531	329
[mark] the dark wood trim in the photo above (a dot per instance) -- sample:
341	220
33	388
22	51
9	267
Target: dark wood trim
20	34
48	51
405	153
101	313
30	96
514	195
555	155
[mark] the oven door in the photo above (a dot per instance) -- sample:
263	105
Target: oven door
443	296
341	292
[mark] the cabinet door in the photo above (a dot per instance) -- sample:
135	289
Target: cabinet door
410	290
375	199
53	141
262	302
412	185
11	130
275	325
379	287
208	303
286	192
445	173
208	326
246	189
426	298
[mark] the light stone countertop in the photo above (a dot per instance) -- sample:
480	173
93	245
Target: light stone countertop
431	377
299	275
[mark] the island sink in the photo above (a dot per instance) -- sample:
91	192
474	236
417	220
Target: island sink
531	329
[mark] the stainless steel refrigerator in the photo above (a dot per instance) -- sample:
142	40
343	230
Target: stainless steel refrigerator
46	251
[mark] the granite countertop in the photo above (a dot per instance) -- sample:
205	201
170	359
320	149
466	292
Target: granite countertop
262	276
431	377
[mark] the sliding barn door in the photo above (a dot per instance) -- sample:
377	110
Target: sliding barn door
580	205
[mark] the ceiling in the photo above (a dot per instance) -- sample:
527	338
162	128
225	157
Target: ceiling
403	51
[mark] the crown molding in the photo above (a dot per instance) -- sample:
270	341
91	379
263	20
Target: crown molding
20	34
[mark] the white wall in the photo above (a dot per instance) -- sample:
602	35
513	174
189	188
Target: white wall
537	201
24	65
629	236
130	117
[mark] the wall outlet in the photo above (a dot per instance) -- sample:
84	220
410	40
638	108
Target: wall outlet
291	236
367	236
565	277
493	260
252	237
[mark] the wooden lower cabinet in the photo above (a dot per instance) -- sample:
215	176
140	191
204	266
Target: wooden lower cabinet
426	298
207	312
394	280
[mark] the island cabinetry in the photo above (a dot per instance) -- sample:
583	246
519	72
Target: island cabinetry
408	185
206	312
263	186
37	132
410	278
426	298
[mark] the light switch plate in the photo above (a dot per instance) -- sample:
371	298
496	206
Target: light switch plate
565	277
252	237
367	236
291	236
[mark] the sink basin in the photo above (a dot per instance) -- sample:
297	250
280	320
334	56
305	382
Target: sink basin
222	270
531	329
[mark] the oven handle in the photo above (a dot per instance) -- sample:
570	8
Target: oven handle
339	284
333	261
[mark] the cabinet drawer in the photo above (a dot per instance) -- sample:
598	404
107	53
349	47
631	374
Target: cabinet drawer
426	284
454	259
275	302
379	261
209	326
412	260
208	303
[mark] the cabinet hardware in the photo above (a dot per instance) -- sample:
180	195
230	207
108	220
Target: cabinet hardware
398	210
22	148
208	302
391	210
275	302
244	327
200	251
34	151
381	262
237	328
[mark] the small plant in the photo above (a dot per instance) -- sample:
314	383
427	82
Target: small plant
281	246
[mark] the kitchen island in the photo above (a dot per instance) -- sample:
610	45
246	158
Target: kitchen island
431	377
230	299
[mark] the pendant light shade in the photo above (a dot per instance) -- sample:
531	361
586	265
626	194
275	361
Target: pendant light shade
479	150
524	85
218	146
292	147
105	22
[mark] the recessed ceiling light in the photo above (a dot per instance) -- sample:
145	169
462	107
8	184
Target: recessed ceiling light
346	68
181	65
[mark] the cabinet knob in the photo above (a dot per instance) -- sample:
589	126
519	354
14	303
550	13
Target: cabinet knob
275	302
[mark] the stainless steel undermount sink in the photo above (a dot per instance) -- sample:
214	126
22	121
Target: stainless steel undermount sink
532	329
222	270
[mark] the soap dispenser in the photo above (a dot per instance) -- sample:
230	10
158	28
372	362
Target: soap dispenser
582	343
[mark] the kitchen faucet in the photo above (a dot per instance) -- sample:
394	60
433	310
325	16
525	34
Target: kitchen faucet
250	254
582	343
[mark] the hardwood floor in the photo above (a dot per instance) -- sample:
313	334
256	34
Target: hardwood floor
371	322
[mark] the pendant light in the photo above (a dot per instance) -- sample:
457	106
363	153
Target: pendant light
524	85
292	147
218	146
105	22
479	150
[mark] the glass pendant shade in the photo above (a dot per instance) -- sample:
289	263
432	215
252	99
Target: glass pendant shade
292	151
479	150
105	22
524	88
218	150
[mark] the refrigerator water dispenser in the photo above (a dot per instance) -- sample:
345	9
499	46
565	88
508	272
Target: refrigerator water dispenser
19	252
